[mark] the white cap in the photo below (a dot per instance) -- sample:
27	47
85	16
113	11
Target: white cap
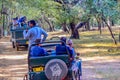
69	41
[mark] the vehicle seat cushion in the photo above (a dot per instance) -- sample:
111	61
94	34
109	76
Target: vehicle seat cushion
37	51
61	49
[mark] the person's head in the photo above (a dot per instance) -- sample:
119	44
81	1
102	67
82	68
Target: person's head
15	23
24	18
63	39
70	42
14	19
32	23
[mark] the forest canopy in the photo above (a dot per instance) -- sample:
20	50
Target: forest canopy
69	15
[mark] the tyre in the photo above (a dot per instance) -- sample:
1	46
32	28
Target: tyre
26	47
17	48
56	69
26	77
76	75
13	44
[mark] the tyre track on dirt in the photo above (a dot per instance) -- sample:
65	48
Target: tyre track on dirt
13	64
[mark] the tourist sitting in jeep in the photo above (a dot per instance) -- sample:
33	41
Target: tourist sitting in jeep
62	48
37	50
70	45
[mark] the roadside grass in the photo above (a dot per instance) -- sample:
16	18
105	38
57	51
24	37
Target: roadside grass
91	43
94	44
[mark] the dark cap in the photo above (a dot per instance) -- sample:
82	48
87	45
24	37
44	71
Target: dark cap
14	19
63	39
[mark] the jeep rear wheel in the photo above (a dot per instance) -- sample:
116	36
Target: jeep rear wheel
56	69
13	44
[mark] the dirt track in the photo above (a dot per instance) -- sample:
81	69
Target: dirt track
13	65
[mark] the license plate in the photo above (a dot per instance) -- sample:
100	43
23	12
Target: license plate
38	69
27	42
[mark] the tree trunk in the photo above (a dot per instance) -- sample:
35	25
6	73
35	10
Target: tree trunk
108	22
103	25
87	26
41	23
99	25
110	30
74	31
65	27
3	25
112	22
0	33
2	30
50	27
53	26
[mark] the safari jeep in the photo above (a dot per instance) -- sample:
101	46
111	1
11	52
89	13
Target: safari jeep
17	38
53	66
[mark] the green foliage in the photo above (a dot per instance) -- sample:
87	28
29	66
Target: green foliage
67	11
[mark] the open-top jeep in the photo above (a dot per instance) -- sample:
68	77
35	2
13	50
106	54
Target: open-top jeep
56	65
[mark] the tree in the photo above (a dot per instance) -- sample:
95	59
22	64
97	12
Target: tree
70	16
66	13
106	10
102	10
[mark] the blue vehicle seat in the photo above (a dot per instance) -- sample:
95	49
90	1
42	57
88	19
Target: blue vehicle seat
37	51
61	49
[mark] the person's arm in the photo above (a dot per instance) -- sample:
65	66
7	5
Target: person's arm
70	53
26	34
45	34
31	52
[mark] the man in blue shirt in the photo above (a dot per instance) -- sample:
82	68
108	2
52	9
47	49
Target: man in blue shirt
34	33
37	51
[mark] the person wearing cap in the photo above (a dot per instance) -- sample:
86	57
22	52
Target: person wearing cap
15	23
70	45
63	48
63	40
34	33
22	21
76	64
